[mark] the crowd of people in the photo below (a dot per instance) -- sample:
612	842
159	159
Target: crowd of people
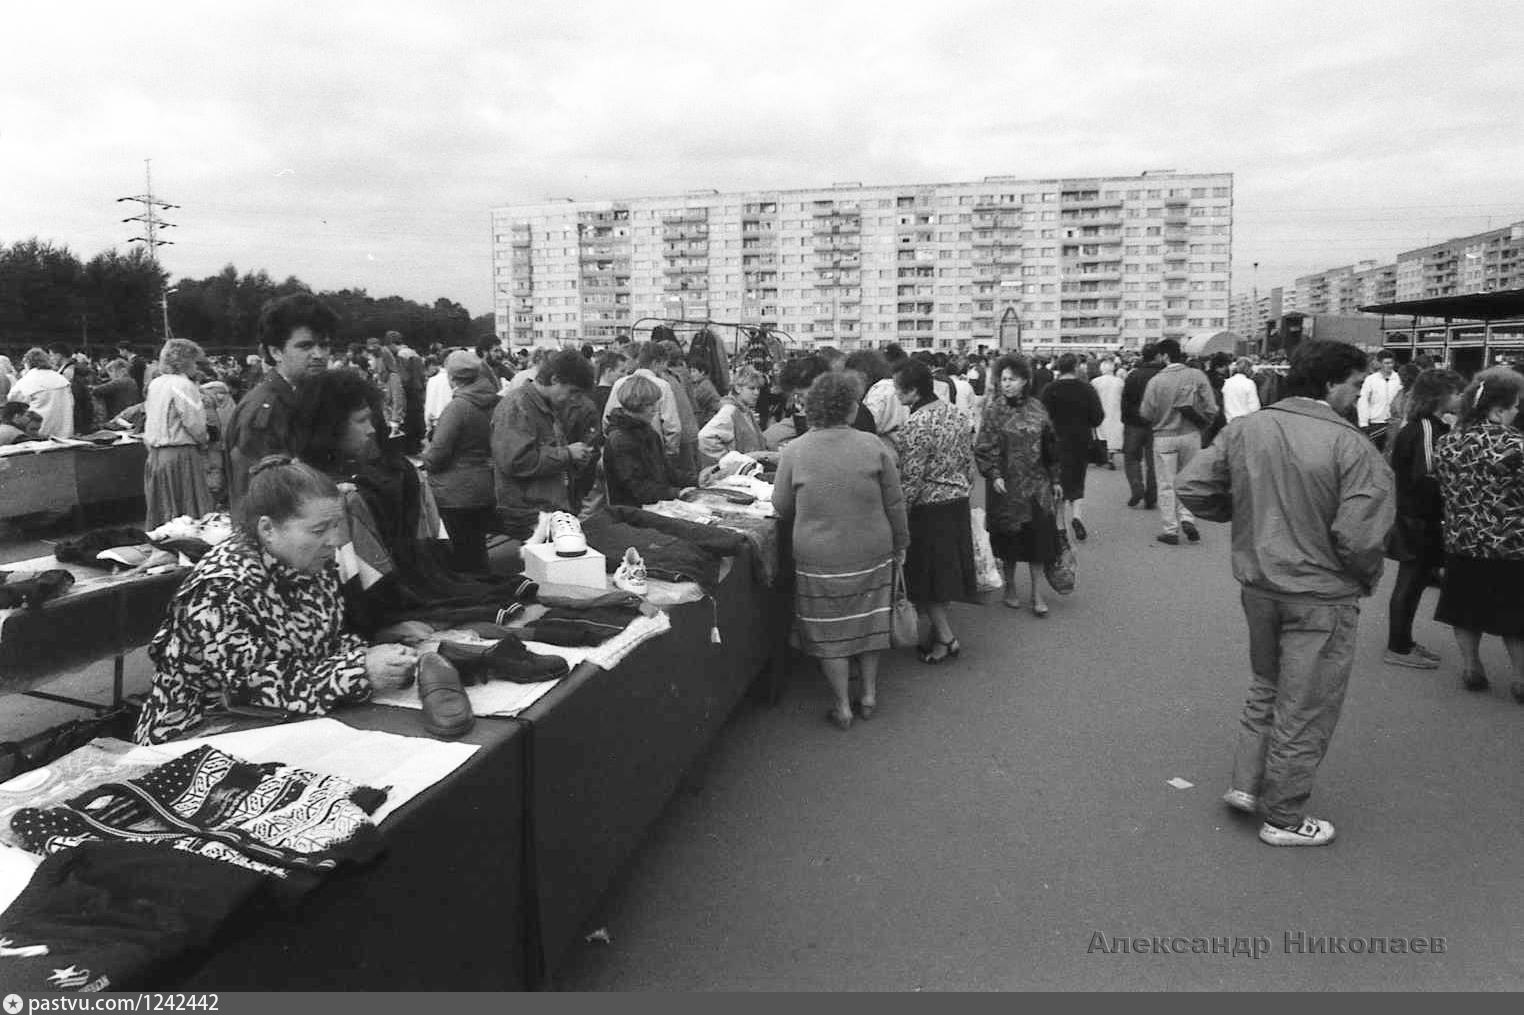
1325	467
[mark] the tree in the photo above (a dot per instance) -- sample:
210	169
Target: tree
39	290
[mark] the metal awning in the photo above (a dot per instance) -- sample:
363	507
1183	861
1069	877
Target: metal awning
1509	303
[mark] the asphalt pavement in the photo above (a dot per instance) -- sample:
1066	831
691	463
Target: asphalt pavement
1008	819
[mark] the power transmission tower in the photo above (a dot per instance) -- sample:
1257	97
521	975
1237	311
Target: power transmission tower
152	223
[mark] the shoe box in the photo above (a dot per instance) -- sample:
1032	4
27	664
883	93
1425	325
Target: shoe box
542	565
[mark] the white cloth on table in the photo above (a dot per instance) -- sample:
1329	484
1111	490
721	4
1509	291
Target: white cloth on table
16	868
496	697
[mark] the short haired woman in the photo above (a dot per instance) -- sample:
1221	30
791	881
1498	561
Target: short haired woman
1480	465
734	426
1016	453
839	491
260	621
1417	539
936	474
175	432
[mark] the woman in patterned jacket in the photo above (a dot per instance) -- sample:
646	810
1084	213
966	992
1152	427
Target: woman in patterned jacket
1480	465
936	475
260	621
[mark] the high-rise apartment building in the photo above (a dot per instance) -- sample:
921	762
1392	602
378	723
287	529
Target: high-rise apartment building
1345	290
1485	262
1073	262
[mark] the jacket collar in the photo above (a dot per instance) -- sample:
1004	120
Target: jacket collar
1303	406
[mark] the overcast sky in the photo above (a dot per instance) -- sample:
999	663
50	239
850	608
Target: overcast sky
363	144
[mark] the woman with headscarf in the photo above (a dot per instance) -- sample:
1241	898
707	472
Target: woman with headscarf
175	432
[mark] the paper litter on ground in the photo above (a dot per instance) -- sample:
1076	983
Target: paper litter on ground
1180	783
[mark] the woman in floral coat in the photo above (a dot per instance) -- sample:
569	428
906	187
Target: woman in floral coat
1017	455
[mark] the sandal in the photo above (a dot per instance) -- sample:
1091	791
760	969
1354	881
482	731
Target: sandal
1012	602
949	650
841	722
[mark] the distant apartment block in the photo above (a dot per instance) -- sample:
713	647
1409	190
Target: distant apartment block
1073	262
1486	262
1345	290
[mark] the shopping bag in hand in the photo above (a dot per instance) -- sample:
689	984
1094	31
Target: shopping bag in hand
906	631
1060	570
986	567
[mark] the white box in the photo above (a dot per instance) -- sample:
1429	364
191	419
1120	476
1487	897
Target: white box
586	571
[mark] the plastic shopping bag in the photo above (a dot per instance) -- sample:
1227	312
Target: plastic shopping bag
986	567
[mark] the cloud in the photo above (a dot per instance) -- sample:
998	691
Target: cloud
363	145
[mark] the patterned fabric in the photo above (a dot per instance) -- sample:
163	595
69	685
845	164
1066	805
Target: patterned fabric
268	817
245	626
936	455
1016	443
1481	477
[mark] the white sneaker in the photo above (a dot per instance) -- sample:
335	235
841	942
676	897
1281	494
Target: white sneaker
630	575
1311	832
566	535
1241	801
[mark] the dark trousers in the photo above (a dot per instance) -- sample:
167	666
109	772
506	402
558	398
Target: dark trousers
1412	579
1138	459
1301	654
468	528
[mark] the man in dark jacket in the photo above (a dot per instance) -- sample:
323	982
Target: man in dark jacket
459	460
1311	502
1138	433
295	334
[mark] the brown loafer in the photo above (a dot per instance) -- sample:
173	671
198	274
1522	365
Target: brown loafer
446	709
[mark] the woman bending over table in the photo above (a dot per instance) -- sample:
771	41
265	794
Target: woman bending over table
259	621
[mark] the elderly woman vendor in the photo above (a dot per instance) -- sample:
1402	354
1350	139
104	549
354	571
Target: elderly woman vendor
259	621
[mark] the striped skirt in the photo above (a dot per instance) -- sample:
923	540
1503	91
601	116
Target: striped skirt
841	614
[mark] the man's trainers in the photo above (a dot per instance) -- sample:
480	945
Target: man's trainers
1189	528
630	575
1168	537
566	535
1411	658
1311	832
1426	653
1241	801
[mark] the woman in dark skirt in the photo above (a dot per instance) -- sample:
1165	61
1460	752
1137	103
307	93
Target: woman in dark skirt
936	474
1075	409
1417	539
1016	453
1480	466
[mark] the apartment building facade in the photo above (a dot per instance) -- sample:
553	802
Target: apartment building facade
1077	263
1485	262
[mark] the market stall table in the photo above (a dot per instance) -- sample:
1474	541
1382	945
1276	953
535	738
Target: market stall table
443	908
70	477
607	749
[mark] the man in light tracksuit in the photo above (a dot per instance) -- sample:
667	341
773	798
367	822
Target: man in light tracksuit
1311	500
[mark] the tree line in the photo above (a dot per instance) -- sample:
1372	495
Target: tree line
48	295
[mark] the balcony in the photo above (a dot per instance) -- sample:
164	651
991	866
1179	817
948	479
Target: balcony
677	218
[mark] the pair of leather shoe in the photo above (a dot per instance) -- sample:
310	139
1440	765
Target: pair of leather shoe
446	709
508	659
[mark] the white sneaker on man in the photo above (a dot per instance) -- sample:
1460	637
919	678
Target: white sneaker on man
1311	832
630	575
566	535
1241	801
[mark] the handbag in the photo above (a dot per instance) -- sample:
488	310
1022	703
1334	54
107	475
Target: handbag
1060	571
1100	453
906	631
